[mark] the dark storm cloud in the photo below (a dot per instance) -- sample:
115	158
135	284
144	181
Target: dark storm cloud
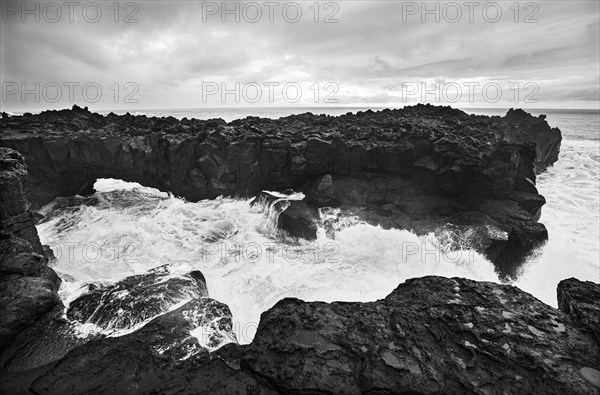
375	47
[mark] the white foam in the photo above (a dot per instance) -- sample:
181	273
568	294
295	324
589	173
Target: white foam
251	270
572	215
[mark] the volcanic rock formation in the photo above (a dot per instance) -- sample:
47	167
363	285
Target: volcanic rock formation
430	335
418	168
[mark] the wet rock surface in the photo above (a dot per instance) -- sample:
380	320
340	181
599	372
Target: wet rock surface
438	157
172	313
287	214
135	299
431	335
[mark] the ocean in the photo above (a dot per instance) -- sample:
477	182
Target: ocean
126	229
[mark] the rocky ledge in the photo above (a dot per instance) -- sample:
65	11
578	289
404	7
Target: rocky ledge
431	335
418	168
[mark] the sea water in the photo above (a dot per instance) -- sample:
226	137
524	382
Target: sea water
126	229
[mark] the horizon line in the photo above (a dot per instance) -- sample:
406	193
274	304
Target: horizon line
349	107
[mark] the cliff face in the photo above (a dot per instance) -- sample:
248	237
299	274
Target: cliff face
430	335
418	168
27	285
442	149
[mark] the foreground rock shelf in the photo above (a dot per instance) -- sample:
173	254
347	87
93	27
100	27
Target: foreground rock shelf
418	168
430	335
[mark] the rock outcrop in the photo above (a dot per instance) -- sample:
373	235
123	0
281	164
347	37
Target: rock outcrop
168	310
526	129
287	214
431	335
299	220
417	168
135	299
28	287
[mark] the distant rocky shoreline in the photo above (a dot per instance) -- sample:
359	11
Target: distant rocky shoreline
422	168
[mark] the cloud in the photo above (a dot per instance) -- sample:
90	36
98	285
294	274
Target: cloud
370	49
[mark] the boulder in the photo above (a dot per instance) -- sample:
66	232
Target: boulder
135	299
299	220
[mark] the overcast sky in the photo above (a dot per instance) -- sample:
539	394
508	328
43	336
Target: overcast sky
180	54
